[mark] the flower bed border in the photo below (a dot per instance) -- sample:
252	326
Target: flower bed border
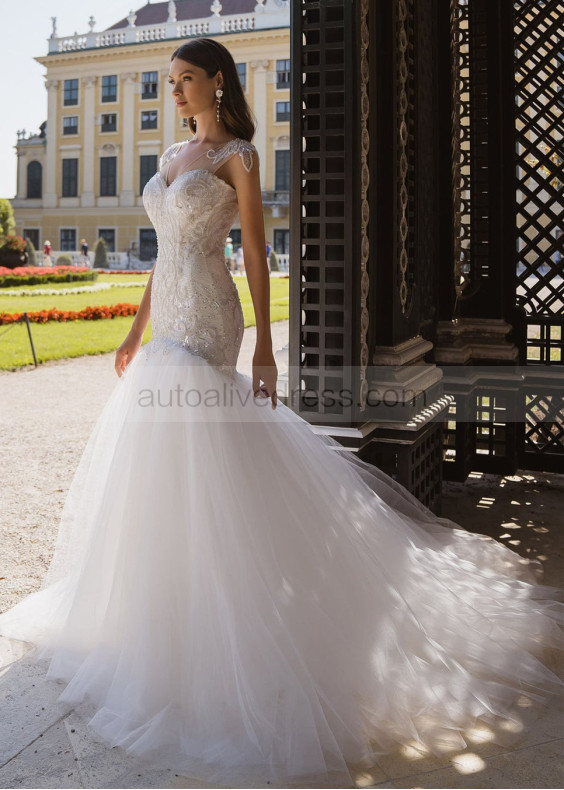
86	314
38	275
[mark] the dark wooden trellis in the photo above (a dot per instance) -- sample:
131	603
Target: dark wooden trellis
412	207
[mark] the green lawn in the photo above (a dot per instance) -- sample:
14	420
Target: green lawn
57	340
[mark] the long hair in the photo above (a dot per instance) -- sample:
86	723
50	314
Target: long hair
212	56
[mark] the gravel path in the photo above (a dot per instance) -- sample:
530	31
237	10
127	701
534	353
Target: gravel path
46	418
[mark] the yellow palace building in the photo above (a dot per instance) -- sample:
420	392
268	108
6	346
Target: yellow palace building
110	115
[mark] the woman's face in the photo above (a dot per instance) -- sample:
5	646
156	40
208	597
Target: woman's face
192	90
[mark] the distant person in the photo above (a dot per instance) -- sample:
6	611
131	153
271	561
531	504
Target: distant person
240	256
47	254
229	259
268	251
84	251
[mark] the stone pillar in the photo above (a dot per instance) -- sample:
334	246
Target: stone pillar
170	119
22	174
127	193
88	120
260	68
50	186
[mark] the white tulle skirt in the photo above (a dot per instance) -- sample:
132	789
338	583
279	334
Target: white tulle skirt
233	591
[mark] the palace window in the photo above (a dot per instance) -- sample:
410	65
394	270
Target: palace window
282	74
70	178
282	175
149	85
34	179
108	176
67	240
282	241
242	72
282	110
70	124
147	169
149	119
109	88
109	122
70	92
109	236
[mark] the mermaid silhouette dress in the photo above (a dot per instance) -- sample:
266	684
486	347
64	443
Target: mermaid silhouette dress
232	591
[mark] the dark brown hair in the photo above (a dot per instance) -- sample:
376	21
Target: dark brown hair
212	56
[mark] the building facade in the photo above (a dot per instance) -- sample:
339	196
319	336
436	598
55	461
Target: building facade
110	116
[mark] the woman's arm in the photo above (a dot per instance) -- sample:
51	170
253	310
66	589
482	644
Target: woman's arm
132	342
249	198
144	312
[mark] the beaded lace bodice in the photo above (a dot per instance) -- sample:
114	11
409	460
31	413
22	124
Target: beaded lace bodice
194	300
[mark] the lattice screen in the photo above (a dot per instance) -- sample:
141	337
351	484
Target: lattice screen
539	95
323	251
539	85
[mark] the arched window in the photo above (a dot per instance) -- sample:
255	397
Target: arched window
34	177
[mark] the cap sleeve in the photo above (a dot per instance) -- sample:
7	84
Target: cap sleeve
169	154
244	148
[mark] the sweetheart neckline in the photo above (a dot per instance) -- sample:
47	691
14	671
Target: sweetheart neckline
194	170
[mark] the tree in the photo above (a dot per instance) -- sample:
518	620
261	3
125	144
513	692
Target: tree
7	222
101	255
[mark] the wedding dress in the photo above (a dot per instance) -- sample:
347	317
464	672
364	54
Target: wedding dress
233	591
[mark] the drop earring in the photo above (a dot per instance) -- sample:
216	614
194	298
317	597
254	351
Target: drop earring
219	94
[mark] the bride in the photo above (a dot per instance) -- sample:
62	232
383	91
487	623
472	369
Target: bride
229	590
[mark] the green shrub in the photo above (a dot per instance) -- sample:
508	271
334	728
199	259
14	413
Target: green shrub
274	262
101	255
13	280
64	260
31	253
7	222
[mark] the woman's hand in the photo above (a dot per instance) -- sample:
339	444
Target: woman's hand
264	369
126	352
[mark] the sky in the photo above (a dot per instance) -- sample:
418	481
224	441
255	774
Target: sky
23	36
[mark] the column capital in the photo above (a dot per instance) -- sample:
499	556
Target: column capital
89	82
129	76
259	65
51	85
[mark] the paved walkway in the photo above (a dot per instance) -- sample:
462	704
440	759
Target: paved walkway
47	415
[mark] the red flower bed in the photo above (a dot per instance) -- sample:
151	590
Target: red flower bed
27	271
86	314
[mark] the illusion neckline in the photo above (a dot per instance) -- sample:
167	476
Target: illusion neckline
212	148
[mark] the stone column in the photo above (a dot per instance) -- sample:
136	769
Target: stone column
51	158
127	193
22	174
170	118
260	68
88	153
